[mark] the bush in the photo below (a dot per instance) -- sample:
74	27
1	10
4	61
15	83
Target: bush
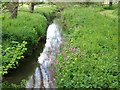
7	85
46	10
11	55
43	9
26	27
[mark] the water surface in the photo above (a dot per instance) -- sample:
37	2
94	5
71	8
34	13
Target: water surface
26	68
35	68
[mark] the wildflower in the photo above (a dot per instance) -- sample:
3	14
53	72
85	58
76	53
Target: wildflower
50	79
71	49
54	79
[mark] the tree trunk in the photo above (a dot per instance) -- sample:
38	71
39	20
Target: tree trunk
119	10
110	2
87	2
13	9
31	7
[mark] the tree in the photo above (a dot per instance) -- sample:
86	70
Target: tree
31	7
13	8
110	2
32	4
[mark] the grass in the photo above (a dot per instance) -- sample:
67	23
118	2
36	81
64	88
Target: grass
110	11
6	85
26	27
43	9
89	54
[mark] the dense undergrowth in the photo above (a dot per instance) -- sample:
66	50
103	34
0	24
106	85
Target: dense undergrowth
43	9
89	54
26	27
6	85
22	32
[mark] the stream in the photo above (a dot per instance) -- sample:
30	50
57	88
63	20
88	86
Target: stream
35	68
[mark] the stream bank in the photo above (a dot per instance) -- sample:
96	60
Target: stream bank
29	65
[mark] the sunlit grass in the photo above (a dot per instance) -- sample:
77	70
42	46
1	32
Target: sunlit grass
25	27
95	65
43	9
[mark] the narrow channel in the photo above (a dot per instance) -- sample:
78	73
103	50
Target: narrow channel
42	77
26	68
35	68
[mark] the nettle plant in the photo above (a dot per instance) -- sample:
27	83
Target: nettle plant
11	55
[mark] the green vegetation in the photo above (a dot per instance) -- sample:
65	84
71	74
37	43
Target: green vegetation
47	12
89	54
11	55
43	9
21	33
6	85
88	57
26	27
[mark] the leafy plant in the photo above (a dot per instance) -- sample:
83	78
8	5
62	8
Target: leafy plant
89	54
11	55
7	85
21	31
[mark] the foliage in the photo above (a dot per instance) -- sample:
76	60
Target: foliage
89	54
11	55
6	85
43	9
46	10
106	7
26	27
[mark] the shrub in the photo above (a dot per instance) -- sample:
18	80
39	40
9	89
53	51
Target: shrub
43	9
11	55
46	10
26	27
7	85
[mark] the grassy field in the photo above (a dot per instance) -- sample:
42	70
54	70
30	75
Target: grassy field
89	54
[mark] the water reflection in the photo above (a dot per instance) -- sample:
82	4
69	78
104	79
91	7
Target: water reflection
42	77
53	41
34	81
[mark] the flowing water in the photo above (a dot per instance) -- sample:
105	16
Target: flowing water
26	68
49	54
43	77
35	69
